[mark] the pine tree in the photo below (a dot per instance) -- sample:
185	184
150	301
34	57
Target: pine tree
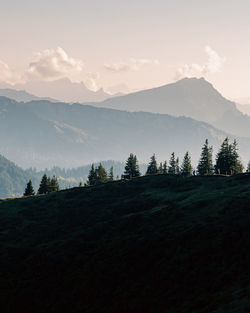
205	166
165	167
101	174
237	166
111	174
29	191
132	167
152	166
172	164
44	185
160	170
222	165
92	177
54	185
177	166
227	159
186	168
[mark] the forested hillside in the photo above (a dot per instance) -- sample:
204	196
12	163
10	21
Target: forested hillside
12	179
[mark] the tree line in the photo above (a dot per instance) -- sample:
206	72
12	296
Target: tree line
227	162
47	185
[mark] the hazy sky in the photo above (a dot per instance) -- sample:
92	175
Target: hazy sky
140	43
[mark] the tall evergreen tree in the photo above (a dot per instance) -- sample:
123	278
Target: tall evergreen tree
44	185
237	166
177	166
227	159
152	166
160	170
172	164
186	168
165	167
111	174
101	174
29	190
205	165
132	167
92	177
54	185
223	165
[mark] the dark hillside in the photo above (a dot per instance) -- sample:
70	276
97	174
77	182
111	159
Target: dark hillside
154	244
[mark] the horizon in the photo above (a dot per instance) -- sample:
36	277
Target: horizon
143	45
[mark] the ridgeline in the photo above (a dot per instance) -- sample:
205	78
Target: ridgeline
153	244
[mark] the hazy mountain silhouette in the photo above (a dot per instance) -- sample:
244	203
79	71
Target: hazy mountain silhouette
21	95
63	90
42	134
189	97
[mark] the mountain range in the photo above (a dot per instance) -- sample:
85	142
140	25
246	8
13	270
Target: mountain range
190	97
61	90
44	133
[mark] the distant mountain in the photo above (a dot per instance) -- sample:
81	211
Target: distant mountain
190	97
43	134
21	95
63	90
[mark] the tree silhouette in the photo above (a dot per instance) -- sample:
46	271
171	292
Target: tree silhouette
29	191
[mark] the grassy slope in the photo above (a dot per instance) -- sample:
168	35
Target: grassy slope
153	244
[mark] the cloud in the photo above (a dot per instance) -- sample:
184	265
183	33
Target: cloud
131	65
52	64
91	81
213	65
8	75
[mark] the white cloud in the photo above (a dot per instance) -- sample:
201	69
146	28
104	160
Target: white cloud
91	81
131	65
53	64
8	75
213	65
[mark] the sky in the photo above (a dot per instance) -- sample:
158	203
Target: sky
127	45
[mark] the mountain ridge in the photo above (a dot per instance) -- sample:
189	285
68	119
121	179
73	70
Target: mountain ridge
44	134
190	97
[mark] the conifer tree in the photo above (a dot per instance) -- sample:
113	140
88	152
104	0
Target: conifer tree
222	165
132	167
237	166
101	174
92	177
177	166
54	185
172	164
29	191
111	174
205	165
165	167
186	168
160	170
152	166
227	159
44	185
